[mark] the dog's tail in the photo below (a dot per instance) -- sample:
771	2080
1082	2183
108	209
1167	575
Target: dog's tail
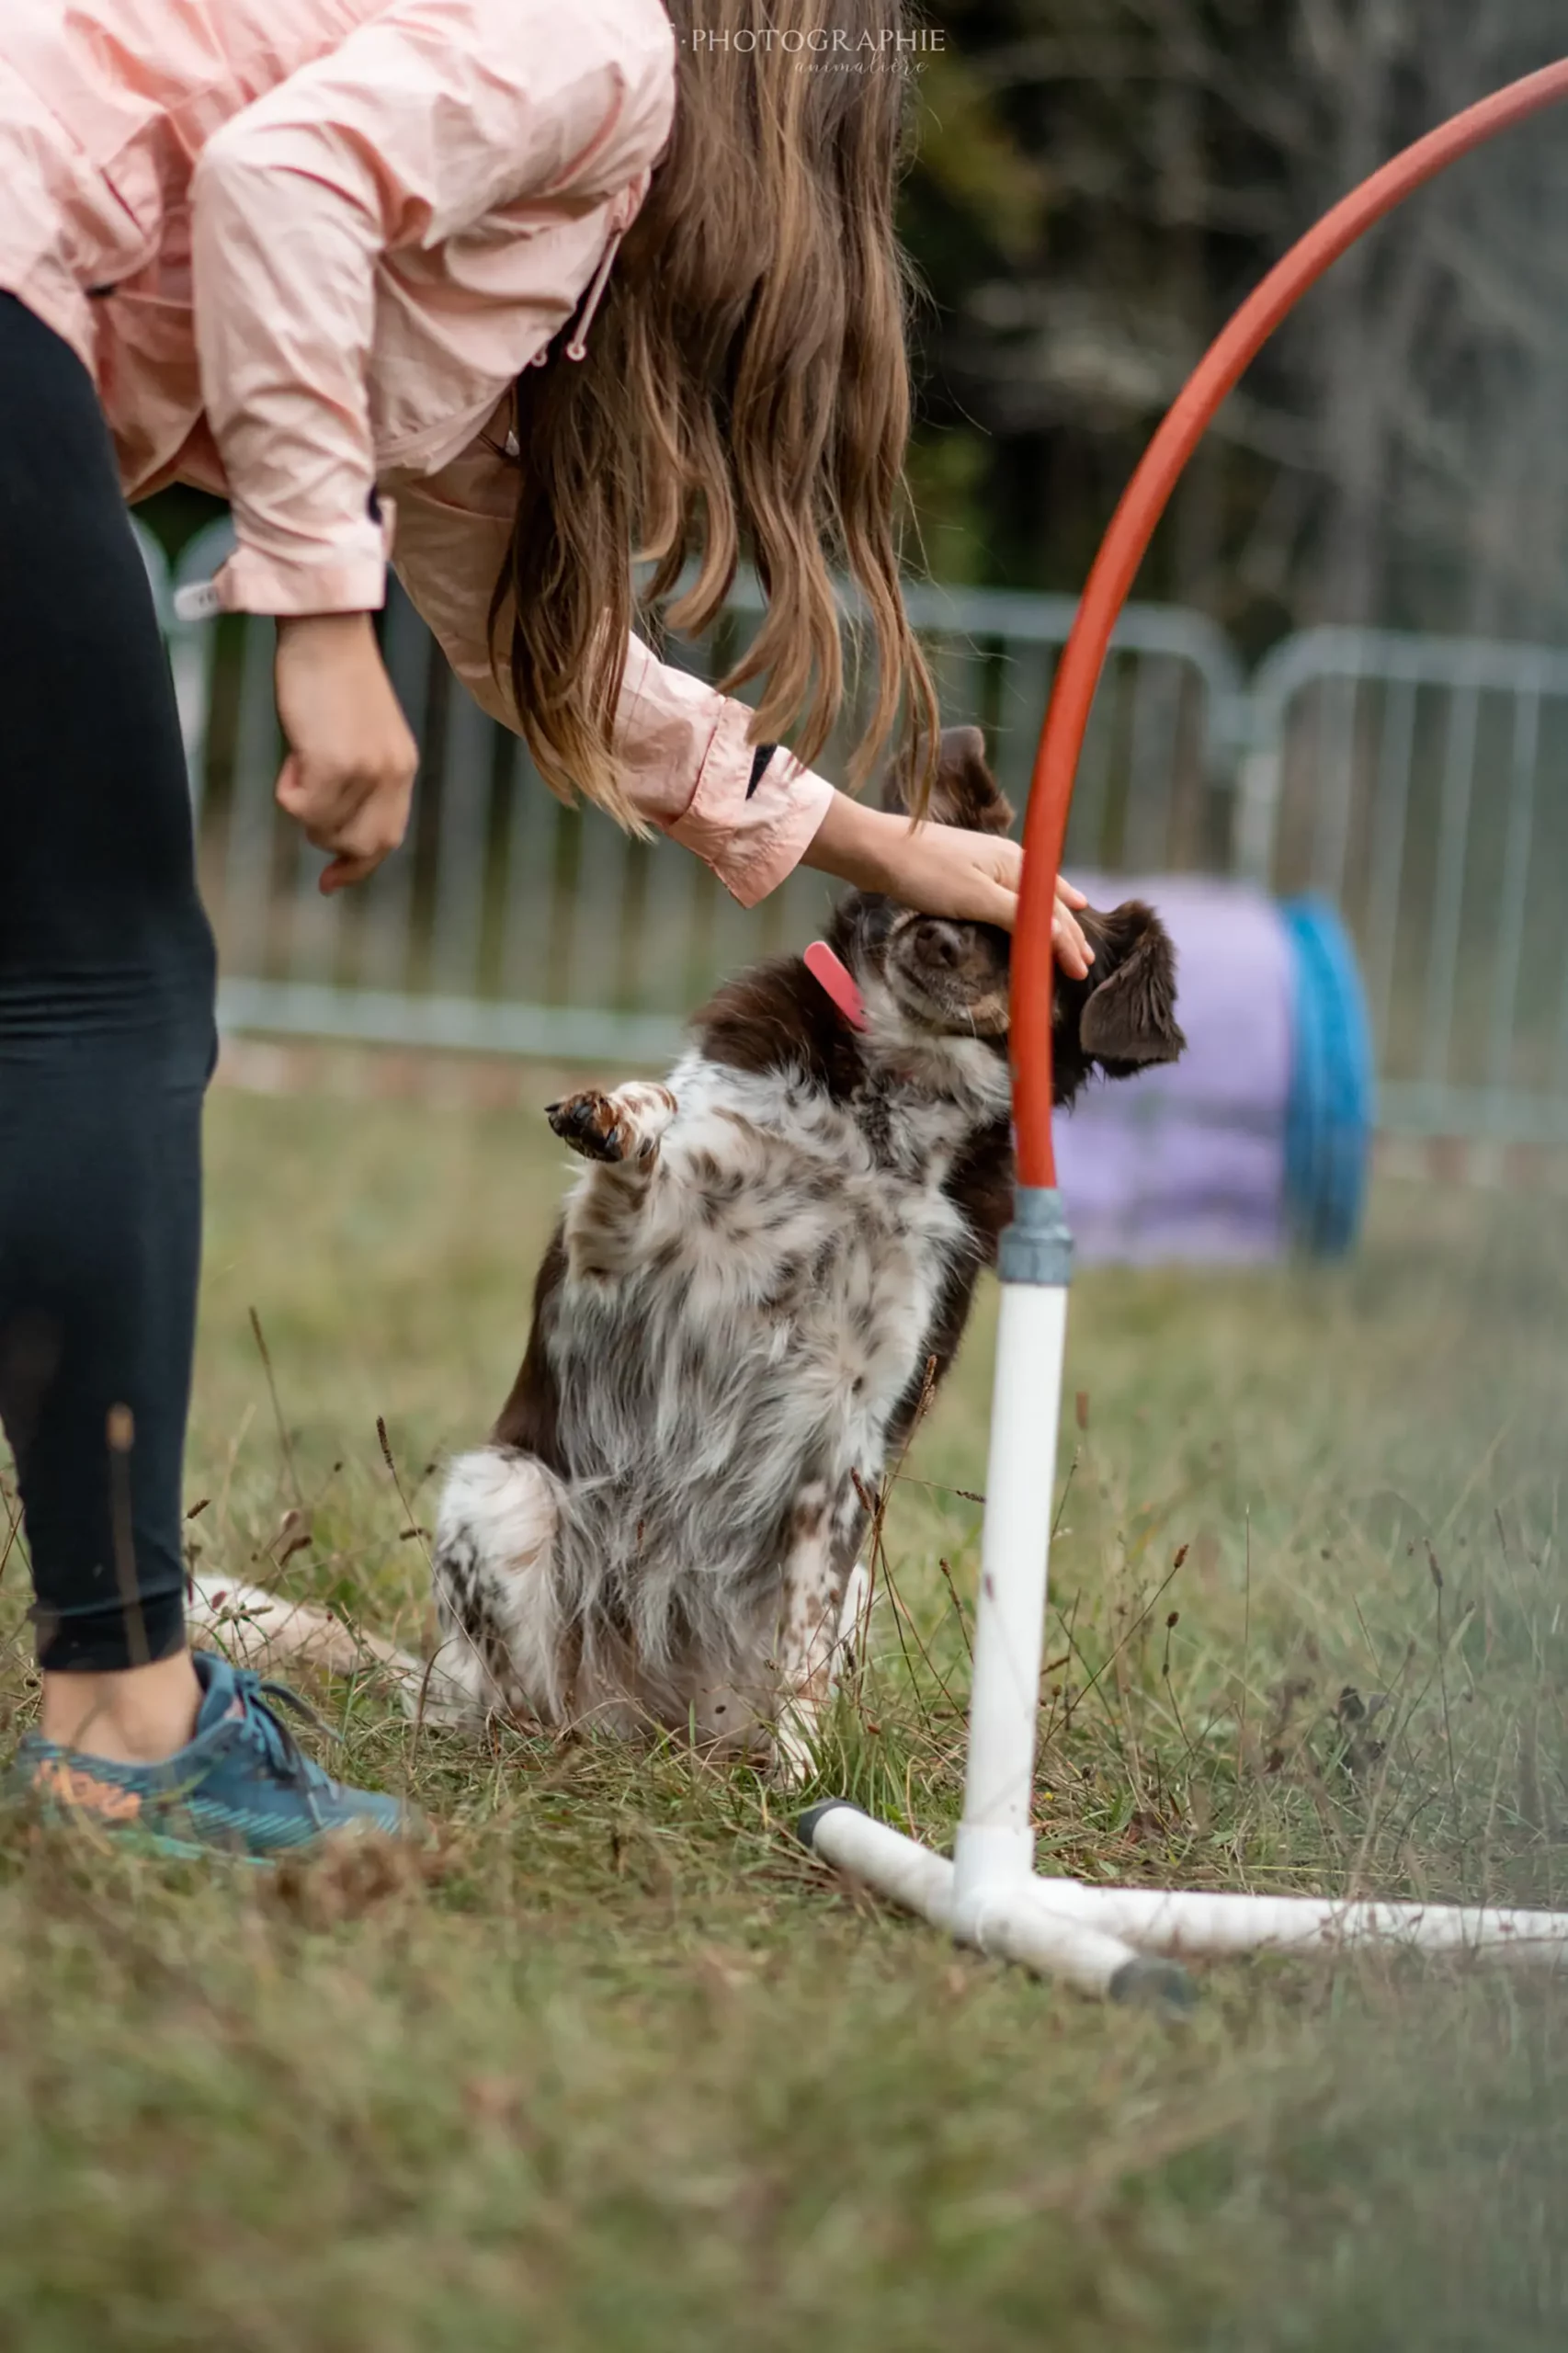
266	1630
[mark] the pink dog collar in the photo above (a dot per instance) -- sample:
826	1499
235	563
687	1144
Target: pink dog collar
830	973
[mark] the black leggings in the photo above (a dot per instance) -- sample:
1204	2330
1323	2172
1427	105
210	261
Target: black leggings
105	1032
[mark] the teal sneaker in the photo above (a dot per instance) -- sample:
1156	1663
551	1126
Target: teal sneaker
242	1787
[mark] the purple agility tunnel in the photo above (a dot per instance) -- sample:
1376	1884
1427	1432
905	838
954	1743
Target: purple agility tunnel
1256	1145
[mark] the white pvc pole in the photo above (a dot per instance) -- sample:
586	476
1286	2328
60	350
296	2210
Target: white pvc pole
989	1901
996	1839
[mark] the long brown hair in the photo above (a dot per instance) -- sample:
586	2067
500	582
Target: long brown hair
745	394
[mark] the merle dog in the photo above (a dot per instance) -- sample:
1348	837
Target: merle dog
757	1280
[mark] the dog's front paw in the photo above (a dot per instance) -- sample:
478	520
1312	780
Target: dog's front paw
589	1122
626	1125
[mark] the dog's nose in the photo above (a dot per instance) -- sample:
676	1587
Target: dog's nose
937	943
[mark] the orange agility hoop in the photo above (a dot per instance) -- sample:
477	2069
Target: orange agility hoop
1125	1942
1124	545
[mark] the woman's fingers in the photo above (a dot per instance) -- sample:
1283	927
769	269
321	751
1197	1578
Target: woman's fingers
1069	942
361	825
349	774
372	834
1072	951
1067	935
344	872
358	842
990	902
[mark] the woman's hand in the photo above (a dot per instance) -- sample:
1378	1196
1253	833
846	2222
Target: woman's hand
348	777
941	870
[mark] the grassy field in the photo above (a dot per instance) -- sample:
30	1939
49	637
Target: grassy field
623	2070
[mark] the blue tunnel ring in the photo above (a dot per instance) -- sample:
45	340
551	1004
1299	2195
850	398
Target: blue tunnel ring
1332	1107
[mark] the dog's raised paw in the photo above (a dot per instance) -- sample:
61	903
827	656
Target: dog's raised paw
623	1126
590	1123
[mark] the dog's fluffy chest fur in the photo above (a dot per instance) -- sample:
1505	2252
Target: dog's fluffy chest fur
791	1254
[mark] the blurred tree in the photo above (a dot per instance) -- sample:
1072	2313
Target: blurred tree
1096	183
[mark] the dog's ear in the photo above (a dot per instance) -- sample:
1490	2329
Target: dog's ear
1128	1016
964	791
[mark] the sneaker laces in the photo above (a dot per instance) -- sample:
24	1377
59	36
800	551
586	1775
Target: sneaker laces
258	1701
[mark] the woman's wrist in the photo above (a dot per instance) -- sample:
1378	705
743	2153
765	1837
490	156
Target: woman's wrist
856	844
327	628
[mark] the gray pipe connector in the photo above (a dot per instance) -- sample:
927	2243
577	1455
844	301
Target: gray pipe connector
1037	1248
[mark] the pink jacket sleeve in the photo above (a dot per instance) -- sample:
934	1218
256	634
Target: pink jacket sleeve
426	116
684	752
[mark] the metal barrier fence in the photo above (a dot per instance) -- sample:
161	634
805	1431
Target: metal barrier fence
1416	782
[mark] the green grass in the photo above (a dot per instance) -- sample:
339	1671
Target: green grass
627	2071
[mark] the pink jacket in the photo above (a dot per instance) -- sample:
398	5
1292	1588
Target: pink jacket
304	246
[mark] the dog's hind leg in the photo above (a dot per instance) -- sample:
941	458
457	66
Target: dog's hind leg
503	1642
815	1619
827	1619
854	1622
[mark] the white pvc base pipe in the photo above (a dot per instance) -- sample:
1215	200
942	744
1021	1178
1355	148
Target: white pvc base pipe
1195	1925
1003	1919
1117	1941
1109	1939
